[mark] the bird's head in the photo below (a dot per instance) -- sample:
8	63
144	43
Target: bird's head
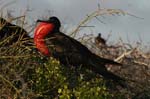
53	21
56	22
99	34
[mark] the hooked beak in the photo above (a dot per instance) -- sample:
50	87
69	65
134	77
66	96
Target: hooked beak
39	20
45	21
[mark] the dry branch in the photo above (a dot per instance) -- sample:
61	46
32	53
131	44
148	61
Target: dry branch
99	12
124	54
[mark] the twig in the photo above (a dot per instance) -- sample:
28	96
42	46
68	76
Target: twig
7	81
23	16
99	12
124	54
134	16
14	57
140	63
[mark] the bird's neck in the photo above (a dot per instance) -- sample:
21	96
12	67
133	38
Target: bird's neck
55	30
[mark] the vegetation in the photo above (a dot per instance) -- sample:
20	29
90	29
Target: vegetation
26	74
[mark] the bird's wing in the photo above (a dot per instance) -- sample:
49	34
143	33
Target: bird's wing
74	49
65	47
70	51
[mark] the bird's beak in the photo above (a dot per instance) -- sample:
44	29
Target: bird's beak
45	21
40	21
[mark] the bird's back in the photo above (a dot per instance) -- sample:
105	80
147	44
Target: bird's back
65	47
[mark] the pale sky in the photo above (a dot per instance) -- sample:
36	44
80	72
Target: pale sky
71	12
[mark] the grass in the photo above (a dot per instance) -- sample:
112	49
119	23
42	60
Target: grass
26	74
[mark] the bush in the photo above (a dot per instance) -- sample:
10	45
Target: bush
26	74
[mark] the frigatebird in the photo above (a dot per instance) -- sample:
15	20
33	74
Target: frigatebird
52	43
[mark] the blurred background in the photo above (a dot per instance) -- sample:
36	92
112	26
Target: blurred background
129	28
27	74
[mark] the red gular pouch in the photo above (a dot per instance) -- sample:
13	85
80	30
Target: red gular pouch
41	31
